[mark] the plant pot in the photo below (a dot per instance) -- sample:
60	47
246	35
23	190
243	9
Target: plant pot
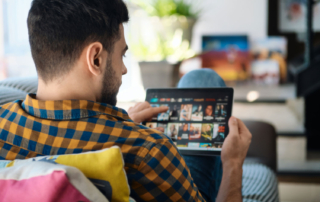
159	74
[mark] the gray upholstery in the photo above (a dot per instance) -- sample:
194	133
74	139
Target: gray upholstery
16	89
259	184
28	85
263	148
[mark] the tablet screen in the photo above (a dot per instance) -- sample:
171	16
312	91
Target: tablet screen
197	119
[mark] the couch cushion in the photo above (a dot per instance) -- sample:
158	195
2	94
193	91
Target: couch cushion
16	89
105	169
27	85
44	181
8	94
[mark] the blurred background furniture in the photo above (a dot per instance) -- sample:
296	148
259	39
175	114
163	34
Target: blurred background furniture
263	148
16	89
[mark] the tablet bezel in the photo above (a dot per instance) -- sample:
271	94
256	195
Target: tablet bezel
226	90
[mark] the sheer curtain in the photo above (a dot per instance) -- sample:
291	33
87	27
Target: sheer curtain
16	59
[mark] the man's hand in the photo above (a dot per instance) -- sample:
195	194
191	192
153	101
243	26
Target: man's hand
144	112
234	151
236	145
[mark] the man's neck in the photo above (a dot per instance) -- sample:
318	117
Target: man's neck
66	89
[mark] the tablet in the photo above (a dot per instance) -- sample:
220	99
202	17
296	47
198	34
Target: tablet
197	119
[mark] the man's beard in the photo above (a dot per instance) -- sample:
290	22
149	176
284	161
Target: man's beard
110	85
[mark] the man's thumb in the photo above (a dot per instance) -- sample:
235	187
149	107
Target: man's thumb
233	125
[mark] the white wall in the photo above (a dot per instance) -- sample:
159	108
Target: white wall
231	17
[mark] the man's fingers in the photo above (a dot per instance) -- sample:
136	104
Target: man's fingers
141	106
233	126
242	127
243	130
151	112
148	113
145	105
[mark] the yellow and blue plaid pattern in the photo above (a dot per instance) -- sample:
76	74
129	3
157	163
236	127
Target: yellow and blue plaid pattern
155	169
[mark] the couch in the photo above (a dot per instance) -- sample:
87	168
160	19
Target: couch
259	182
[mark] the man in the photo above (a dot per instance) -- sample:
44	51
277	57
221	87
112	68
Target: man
173	131
174	115
77	47
194	132
208	111
208	114
183	131
217	112
223	111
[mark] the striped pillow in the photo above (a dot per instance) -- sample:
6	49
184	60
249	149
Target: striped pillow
259	184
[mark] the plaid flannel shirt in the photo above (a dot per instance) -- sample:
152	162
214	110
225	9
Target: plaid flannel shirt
155	169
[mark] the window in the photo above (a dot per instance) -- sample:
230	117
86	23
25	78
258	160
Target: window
15	54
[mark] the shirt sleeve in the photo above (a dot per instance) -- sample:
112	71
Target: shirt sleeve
164	176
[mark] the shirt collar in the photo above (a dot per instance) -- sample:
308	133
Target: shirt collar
70	109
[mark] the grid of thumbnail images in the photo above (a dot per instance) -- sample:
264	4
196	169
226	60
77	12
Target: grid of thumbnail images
193	126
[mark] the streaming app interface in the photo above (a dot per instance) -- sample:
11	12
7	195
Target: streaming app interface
193	123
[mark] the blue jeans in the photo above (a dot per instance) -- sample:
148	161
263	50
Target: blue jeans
206	171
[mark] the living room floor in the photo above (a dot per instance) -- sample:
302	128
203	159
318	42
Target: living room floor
291	150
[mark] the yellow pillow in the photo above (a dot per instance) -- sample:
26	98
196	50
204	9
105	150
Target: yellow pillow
105	169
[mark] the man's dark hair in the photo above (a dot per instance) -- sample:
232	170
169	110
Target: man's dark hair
59	30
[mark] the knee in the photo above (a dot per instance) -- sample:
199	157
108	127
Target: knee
202	72
201	78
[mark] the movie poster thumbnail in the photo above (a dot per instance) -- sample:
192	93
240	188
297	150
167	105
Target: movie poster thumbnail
218	146
197	113
172	130
185	112
218	134
182	144
210	145
194	144
152	125
183	133
206	132
208	113
165	115
220	112
195	131
174	112
155	118
205	145
162	127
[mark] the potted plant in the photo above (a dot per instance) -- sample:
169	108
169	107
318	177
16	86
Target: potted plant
167	41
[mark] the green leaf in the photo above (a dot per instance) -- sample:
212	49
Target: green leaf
163	8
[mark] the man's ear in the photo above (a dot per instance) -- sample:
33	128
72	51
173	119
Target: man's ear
94	58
